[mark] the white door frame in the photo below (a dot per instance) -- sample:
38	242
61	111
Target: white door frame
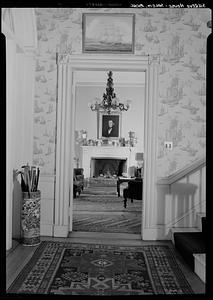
67	65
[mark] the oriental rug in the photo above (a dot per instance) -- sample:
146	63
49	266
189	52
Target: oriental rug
100	190
128	222
100	186
101	181
105	203
90	269
95	213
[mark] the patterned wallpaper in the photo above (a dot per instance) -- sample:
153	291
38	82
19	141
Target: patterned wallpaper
178	35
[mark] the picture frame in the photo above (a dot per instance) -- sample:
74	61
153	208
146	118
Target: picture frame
104	119
108	33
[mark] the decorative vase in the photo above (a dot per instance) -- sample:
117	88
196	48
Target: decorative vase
30	218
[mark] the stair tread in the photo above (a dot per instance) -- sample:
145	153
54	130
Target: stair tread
201	257
200	265
185	229
182	229
191	242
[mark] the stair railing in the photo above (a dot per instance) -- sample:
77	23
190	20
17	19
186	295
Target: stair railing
187	170
177	176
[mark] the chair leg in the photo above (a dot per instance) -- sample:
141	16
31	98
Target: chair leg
125	201
131	200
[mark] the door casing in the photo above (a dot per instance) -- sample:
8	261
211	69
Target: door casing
68	65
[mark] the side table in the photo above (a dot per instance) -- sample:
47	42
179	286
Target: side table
121	180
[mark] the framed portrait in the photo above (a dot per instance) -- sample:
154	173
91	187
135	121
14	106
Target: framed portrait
109	126
108	32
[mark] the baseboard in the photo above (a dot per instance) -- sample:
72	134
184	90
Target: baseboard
157	233
60	231
46	230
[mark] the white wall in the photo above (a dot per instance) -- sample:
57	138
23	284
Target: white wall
20	72
22	134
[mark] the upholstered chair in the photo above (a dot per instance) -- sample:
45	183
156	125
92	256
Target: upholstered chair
133	191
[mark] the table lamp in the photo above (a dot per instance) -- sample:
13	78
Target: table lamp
139	159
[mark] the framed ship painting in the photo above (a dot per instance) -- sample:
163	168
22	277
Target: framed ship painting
108	33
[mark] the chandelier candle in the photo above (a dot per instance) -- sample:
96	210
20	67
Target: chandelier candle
110	101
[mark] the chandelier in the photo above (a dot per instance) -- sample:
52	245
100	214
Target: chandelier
110	101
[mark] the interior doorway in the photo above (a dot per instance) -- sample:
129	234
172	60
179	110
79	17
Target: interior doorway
68	67
98	207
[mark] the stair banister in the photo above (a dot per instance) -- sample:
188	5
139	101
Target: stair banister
187	170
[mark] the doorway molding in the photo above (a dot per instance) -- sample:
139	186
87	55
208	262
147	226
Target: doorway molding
68	65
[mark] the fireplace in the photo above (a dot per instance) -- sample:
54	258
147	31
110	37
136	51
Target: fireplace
108	167
88	154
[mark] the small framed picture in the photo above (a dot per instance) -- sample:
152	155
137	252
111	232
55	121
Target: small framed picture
109	125
106	32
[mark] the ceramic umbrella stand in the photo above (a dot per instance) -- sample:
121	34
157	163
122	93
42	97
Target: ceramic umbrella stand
31	205
30	218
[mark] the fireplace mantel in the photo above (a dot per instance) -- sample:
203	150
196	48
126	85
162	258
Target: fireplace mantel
88	152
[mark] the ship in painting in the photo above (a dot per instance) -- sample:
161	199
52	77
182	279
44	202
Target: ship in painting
112	38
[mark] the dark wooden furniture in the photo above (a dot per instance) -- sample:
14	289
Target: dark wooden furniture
134	190
78	181
121	180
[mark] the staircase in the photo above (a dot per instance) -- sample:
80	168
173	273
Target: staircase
184	193
191	244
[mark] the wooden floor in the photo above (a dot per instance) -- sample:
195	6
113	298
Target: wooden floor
99	209
19	255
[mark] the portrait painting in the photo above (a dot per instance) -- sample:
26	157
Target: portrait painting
108	33
109	125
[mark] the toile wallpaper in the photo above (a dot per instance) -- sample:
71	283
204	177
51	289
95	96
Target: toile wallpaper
178	35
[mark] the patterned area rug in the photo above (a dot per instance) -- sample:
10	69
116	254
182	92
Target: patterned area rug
102	222
96	213
100	186
101	181
105	203
83	269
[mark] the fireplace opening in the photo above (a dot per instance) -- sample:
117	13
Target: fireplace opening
108	167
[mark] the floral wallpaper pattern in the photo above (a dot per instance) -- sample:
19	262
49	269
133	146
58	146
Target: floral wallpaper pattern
178	35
